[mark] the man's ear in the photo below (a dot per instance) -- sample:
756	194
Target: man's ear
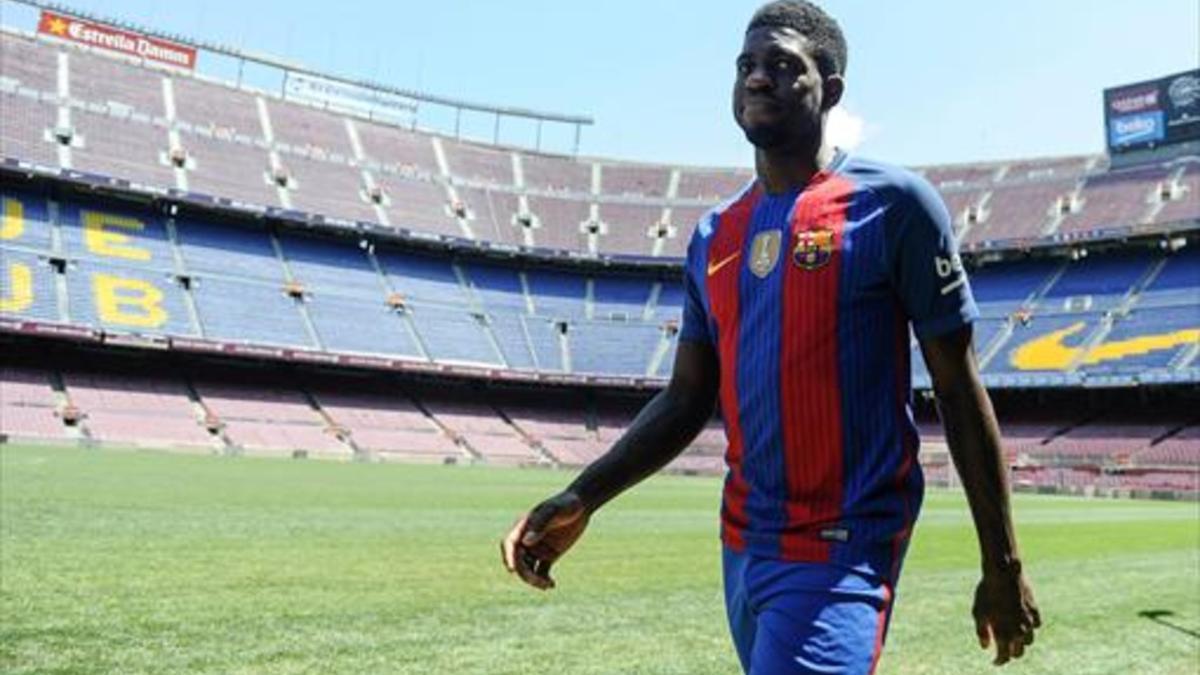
832	88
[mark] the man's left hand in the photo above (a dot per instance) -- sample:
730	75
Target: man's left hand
1005	613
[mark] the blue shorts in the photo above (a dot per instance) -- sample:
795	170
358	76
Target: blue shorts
789	617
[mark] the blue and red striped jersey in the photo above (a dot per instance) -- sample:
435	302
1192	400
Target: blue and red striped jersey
807	298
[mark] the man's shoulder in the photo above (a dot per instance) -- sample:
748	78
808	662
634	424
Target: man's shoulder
708	223
888	181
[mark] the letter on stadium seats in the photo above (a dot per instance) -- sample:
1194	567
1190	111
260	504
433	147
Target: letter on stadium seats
13	225
16	295
102	241
128	302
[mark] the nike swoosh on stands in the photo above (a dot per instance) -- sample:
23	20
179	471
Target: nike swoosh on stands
1049	353
713	267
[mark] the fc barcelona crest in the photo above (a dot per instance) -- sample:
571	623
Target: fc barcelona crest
813	249
764	252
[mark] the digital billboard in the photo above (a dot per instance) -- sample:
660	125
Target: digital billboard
1153	113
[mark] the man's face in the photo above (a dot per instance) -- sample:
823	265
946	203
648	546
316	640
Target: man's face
778	95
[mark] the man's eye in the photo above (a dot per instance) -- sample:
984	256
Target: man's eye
782	64
743	67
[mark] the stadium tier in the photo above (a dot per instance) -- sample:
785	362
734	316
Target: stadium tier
243	410
120	268
91	113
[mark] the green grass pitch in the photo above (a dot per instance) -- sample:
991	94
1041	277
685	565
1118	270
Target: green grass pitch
139	562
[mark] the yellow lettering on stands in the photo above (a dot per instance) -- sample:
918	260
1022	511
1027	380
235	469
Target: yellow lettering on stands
17	294
128	302
102	241
13	224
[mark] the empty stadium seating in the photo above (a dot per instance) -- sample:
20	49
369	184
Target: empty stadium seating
137	409
29	407
118	119
121	267
386	424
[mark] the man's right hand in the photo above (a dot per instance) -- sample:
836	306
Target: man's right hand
542	536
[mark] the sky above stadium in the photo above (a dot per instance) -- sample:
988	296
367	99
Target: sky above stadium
929	81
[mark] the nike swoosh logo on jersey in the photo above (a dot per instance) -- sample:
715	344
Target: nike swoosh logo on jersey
713	267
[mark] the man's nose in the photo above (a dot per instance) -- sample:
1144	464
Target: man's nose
757	80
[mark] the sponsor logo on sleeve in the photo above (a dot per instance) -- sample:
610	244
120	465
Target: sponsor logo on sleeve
949	269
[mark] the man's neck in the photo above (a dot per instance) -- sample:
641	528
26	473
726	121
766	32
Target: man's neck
787	169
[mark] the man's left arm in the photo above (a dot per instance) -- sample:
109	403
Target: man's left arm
1004	607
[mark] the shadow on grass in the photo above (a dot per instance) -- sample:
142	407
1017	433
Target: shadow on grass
1161	616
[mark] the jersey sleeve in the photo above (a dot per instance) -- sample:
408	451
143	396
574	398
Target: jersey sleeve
695	326
926	269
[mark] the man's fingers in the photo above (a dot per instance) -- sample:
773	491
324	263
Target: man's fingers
1017	648
525	563
1037	617
542	570
504	556
982	632
1002	655
508	547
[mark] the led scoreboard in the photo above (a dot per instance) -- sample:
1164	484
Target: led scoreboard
1154	113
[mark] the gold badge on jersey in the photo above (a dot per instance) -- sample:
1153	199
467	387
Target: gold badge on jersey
764	252
814	248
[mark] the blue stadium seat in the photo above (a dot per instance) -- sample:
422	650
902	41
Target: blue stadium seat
220	249
670	301
612	347
557	294
1001	288
422	278
1177	283
452	335
328	265
620	297
509	331
499	287
544	340
249	312
1104	278
360	325
668	361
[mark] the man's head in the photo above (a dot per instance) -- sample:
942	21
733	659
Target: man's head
789	74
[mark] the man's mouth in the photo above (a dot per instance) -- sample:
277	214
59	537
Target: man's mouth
759	108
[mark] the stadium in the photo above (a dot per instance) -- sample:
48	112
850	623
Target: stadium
198	266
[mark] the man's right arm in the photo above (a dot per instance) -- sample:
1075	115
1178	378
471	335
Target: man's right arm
657	435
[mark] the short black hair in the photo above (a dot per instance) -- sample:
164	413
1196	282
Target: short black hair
813	23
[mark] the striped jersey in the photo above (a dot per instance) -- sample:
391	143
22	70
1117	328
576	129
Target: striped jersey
807	297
